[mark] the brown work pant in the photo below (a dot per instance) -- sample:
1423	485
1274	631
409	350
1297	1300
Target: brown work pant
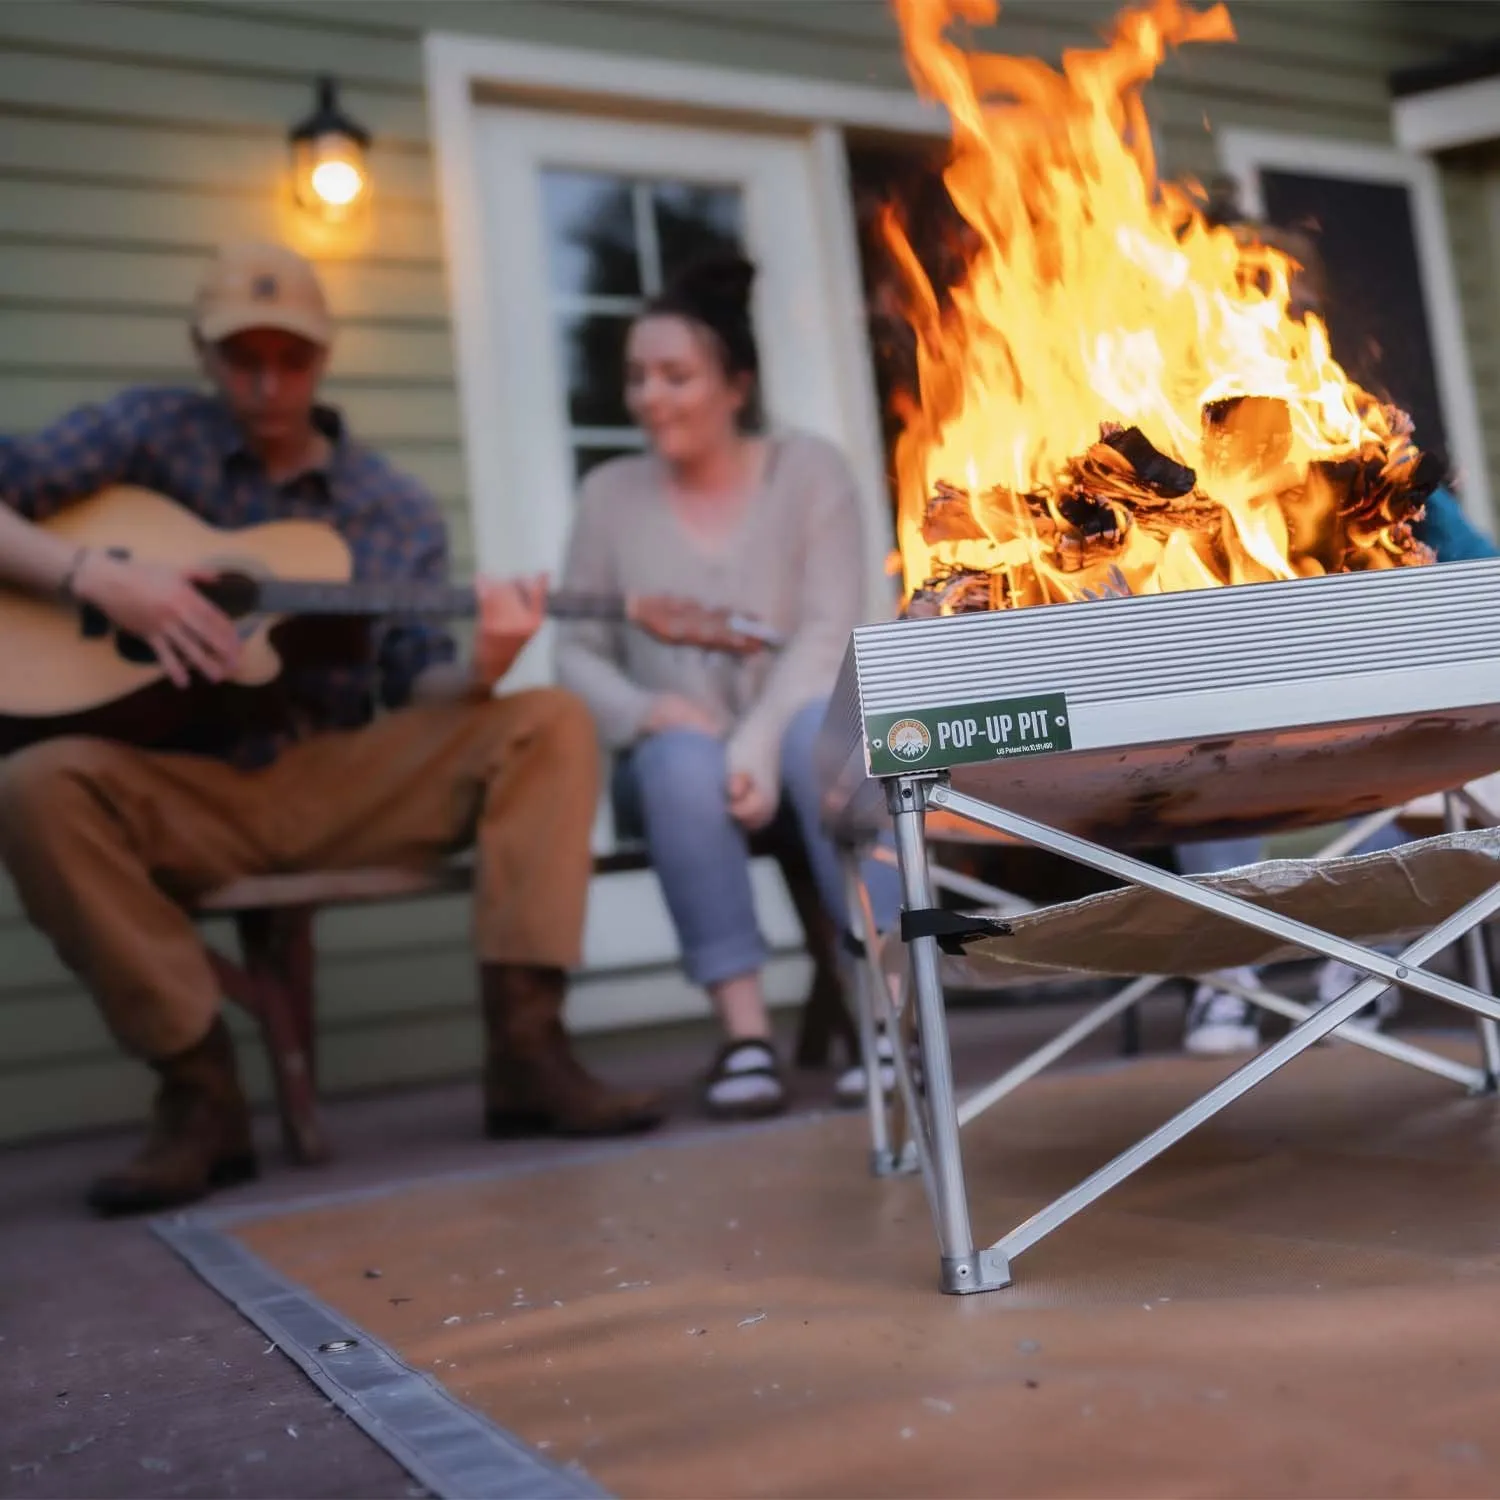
108	845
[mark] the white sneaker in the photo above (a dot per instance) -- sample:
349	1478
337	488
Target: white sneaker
1219	1023
849	1090
1336	978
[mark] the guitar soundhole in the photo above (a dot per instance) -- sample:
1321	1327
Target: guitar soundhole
93	622
237	594
134	648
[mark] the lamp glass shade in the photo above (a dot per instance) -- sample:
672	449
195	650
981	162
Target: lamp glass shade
330	175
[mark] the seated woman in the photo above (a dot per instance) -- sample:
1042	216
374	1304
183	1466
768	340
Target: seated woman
710	746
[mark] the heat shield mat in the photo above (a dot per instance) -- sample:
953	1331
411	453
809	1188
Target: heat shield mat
1301	1299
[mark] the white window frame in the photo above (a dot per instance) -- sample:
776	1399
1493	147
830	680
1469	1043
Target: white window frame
465	73
1440	119
1244	153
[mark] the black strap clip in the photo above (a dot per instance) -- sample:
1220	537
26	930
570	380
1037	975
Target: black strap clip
952	929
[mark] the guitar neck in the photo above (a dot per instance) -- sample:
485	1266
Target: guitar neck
282	597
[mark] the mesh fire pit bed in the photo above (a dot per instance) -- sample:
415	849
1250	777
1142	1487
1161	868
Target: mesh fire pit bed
1088	729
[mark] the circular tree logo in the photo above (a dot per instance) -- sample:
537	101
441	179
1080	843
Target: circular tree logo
909	739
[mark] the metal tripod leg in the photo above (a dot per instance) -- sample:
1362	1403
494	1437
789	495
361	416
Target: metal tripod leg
894	1148
856	901
965	1268
1477	964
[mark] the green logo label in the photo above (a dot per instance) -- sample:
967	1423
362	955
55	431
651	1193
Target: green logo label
930	739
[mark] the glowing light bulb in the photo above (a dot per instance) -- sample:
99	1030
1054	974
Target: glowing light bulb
337	183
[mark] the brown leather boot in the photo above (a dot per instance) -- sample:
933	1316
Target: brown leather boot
199	1137
533	1084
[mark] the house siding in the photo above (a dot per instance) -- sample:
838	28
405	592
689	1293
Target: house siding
134	137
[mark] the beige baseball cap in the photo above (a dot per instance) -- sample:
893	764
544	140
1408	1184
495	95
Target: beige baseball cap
256	285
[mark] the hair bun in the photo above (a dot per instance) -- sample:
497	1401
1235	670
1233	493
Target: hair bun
721	282
714	290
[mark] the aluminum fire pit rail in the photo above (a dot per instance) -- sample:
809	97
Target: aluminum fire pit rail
1171	717
1085	729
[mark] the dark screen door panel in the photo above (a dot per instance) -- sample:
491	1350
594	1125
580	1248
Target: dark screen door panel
1375	314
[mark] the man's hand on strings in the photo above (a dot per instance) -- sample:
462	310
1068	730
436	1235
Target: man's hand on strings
511	612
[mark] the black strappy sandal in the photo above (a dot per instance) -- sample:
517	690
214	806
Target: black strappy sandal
744	1082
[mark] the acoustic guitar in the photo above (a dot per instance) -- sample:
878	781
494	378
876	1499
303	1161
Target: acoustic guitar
65	671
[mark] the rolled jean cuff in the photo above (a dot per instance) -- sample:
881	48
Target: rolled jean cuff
724	958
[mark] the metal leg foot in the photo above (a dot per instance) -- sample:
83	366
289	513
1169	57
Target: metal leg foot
984	1271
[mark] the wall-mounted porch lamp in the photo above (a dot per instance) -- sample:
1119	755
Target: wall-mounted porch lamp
330	176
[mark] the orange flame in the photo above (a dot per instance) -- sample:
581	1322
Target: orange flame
1094	298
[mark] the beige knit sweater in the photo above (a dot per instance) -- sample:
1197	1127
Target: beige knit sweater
796	561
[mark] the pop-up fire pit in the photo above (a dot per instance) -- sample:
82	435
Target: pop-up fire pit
1164	582
1084	729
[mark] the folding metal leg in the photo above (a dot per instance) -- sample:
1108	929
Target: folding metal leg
1473	1079
906	796
901	1141
964	1267
1124	1000
1477	962
1063	1043
1318	1025
866	974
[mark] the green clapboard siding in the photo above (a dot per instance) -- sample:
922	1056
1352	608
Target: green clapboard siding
134	137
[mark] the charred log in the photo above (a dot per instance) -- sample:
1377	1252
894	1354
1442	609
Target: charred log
1157	473
959	591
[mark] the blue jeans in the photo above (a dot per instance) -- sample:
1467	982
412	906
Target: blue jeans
676	781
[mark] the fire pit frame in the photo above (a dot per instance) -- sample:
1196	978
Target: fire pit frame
876	681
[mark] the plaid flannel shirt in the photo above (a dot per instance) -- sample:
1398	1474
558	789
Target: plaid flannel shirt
186	445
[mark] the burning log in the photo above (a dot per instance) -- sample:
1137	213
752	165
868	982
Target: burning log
1246	434
950	517
960	591
1155	473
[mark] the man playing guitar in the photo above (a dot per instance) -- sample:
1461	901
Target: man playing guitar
106	843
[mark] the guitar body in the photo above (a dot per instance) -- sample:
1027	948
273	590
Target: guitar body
57	676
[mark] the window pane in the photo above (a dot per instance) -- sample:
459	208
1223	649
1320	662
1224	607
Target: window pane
693	220
585	459
1364	236
594	347
591	242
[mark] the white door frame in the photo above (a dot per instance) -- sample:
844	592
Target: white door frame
466	73
1244	152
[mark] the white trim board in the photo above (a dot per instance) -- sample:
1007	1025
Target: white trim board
525	71
1463	114
1244	152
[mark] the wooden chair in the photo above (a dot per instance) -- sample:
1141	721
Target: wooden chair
275	976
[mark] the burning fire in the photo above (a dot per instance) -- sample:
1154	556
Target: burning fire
1116	396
